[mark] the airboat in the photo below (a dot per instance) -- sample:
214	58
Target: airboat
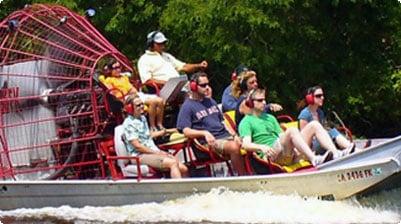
57	130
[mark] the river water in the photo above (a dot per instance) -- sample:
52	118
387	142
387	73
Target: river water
224	206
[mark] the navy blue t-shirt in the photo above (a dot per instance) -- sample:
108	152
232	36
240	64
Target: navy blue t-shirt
202	115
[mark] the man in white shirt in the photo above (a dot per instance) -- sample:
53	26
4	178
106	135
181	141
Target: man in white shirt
158	66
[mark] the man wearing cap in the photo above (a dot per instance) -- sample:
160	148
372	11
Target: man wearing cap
158	66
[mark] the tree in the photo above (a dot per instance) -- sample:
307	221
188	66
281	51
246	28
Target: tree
350	47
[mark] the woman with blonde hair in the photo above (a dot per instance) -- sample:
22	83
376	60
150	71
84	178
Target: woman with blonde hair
229	101
248	81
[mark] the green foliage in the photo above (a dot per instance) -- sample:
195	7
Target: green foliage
396	77
352	48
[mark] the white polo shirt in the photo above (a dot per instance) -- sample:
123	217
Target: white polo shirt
158	66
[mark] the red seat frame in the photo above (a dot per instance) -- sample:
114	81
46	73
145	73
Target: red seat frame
212	157
108	150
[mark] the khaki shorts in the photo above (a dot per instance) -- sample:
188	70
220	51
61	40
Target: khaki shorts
153	160
285	154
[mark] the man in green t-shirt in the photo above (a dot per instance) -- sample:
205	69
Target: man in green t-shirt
261	132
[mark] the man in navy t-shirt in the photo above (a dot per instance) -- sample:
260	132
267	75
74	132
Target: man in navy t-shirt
199	117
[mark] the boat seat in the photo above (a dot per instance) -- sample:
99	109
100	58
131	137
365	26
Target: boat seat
150	87
201	155
177	142
129	167
121	164
292	124
287	121
255	165
229	119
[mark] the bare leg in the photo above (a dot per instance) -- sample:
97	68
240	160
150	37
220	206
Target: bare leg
160	112
232	149
172	164
183	170
159	161
293	138
151	103
314	128
342	142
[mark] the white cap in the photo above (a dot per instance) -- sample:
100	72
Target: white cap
158	37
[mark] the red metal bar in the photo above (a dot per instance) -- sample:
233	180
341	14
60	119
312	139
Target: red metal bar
49	59
55	45
62	34
57	77
76	47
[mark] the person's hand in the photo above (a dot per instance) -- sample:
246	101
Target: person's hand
210	139
203	65
274	107
270	152
238	139
171	130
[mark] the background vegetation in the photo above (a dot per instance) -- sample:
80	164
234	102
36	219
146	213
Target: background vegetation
351	47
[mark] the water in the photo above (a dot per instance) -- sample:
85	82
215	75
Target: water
224	206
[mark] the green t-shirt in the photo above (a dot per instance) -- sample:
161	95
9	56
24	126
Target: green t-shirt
264	129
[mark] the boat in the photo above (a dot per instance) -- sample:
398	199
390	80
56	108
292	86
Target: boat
377	168
55	117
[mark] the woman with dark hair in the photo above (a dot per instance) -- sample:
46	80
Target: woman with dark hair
114	79
314	100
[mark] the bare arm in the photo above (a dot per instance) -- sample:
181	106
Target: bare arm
155	134
141	148
189	68
193	133
248	145
302	123
274	107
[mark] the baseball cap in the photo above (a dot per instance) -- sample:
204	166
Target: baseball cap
238	70
157	37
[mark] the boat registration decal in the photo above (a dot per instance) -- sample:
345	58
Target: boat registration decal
358	174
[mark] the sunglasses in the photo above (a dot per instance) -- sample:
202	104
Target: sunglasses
203	85
259	99
139	105
319	95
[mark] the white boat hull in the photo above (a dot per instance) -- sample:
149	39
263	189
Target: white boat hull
356	174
